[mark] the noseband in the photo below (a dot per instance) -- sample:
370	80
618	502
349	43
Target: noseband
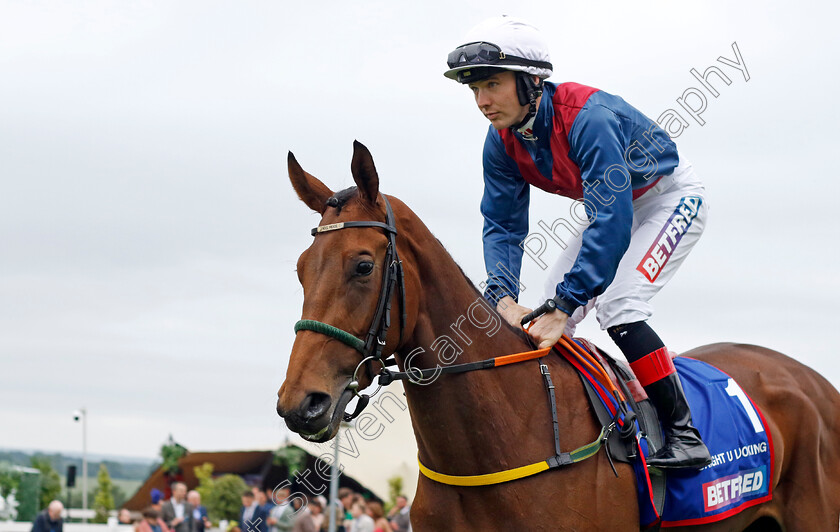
371	347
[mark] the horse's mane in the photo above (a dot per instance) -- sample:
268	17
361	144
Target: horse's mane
478	294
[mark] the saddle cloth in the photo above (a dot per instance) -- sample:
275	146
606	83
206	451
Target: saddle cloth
736	434
730	424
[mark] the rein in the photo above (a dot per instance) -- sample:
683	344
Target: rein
371	351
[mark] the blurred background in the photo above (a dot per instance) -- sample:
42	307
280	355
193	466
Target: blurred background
149	234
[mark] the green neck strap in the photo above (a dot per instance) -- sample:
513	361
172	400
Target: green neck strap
333	332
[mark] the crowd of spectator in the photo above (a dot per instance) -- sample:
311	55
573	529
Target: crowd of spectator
369	516
262	511
183	512
275	511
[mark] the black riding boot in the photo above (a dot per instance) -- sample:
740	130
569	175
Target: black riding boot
683	447
652	364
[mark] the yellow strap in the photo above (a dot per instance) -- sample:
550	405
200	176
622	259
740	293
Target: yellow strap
578	455
484	480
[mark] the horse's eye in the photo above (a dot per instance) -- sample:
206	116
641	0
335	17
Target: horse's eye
364	268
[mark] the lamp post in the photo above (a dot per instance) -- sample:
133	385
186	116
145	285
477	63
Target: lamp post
81	415
335	472
333	526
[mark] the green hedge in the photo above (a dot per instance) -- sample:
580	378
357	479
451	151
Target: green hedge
29	495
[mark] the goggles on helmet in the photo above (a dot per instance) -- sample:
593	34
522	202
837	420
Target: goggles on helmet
485	53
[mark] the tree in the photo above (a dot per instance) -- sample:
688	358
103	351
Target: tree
27	494
290	457
171	452
222	496
9	480
395	488
9	484
204	475
119	496
226	498
117	493
50	480
103	501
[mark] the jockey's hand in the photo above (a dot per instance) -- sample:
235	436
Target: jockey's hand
511	311
548	328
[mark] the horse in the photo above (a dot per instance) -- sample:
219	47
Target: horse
486	421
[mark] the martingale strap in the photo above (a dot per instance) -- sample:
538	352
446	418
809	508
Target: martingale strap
560	459
415	375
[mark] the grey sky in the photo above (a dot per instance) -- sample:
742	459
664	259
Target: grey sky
148	232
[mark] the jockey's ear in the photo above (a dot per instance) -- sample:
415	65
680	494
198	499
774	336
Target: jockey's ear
308	187
364	173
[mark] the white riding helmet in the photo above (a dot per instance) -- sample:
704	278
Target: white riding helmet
501	42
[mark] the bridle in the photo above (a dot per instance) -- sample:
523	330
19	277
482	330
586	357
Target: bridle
371	347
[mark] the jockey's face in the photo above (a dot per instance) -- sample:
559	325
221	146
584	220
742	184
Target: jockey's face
497	100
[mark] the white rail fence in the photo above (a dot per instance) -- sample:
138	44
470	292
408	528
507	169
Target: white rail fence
16	526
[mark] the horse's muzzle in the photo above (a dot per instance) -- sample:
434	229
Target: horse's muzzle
311	415
315	419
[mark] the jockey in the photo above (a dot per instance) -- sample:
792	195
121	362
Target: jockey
644	209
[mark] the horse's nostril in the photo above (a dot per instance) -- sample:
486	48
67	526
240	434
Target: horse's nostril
315	405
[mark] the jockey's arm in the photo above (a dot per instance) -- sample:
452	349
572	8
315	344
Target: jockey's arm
598	149
505	210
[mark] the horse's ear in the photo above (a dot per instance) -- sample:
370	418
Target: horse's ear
364	172
309	189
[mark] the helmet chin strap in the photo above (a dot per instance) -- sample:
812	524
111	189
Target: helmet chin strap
526	127
528	92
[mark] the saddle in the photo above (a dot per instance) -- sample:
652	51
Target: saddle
620	446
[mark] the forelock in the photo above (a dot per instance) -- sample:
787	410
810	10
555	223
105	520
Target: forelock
340	198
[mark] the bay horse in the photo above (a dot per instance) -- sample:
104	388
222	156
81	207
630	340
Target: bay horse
487	421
